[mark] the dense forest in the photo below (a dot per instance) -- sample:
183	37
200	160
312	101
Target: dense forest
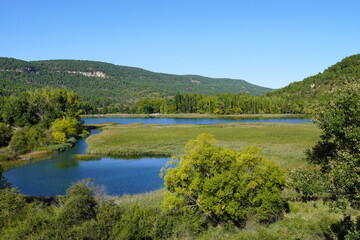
298	97
38	118
101	84
222	104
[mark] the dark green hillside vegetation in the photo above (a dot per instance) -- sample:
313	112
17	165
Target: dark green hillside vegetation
298	97
101	84
345	72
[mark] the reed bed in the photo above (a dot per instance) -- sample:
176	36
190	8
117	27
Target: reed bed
283	143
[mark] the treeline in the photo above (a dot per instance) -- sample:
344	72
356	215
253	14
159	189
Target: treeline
38	118
103	84
343	73
223	104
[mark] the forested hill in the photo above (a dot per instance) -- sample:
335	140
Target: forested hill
108	83
344	72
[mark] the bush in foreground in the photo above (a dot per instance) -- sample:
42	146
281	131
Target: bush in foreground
224	185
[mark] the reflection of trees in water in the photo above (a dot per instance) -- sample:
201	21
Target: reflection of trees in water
69	163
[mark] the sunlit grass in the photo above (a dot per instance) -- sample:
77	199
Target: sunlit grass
283	143
147	200
311	220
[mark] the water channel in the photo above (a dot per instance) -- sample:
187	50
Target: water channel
119	176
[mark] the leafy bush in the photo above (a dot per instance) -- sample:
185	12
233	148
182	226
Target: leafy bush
28	138
77	206
338	150
65	128
224	185
59	137
11	206
3	181
308	182
6	154
5	134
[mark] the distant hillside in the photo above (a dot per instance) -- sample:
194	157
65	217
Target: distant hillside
344	72
106	83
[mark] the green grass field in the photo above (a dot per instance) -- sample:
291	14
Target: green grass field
309	220
283	143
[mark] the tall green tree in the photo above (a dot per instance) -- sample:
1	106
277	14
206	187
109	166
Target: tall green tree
338	150
39	106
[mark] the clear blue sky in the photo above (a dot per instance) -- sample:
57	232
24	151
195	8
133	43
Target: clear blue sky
266	42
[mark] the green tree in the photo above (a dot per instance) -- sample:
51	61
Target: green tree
338	150
5	134
78	205
224	185
65	128
3	180
11	206
28	138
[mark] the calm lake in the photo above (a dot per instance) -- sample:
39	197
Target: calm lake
119	176
166	121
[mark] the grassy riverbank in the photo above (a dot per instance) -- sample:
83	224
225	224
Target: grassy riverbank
197	115
281	142
26	159
304	221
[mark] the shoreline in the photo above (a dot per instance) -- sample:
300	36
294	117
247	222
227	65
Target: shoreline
26	158
196	115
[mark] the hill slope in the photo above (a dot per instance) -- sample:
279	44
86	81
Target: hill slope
108	83
345	72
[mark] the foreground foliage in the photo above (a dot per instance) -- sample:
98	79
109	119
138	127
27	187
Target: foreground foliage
224	185
140	217
338	150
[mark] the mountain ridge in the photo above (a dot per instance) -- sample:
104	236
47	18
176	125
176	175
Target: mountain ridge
344	72
108	82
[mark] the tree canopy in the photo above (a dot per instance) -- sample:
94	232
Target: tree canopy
224	185
42	105
338	150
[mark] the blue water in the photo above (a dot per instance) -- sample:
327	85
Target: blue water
119	176
166	121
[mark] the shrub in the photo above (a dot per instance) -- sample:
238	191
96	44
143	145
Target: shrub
5	134
3	180
69	126
224	185
78	205
6	154
59	137
28	138
11	206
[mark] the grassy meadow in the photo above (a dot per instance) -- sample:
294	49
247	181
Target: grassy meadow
283	143
309	220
